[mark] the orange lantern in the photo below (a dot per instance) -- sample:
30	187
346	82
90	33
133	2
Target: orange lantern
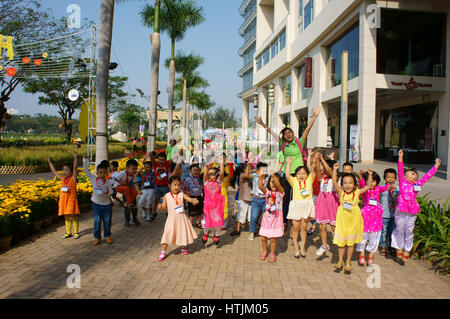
11	71
37	62
26	60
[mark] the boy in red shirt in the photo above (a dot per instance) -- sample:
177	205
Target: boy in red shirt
161	168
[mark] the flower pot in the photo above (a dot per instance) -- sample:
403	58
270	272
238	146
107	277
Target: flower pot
46	222
36	226
5	243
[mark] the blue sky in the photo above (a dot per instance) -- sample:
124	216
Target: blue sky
217	40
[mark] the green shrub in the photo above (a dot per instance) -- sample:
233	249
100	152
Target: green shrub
5	226
432	233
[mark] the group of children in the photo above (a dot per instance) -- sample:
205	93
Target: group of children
387	216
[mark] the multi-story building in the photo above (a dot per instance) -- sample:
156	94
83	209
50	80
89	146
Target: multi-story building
398	75
248	32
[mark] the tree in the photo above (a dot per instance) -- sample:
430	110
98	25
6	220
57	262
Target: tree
104	54
117	97
25	21
130	116
222	116
175	18
54	92
186	65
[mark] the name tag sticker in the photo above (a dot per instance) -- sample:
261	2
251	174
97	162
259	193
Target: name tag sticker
195	189
64	189
304	192
147	184
348	206
179	210
373	202
98	191
163	175
417	188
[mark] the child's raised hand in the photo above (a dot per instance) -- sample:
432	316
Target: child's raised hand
75	154
400	153
361	173
289	160
438	162
370	172
336	166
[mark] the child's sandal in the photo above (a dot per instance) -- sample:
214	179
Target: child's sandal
383	251
338	267
370	261
161	256
348	269
405	258
362	260
272	258
184	251
263	255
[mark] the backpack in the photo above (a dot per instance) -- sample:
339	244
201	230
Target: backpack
305	158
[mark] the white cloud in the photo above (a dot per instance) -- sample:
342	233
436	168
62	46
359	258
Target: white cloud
13	111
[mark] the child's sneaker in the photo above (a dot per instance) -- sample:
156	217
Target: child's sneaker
205	238
251	236
216	240
321	250
76	236
96	242
109	240
162	255
66	236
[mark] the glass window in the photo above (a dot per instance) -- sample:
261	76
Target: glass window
282	40
286	119
411	43
349	42
248	79
259	62
287	90
309	13
302	92
266	55
301	8
274	48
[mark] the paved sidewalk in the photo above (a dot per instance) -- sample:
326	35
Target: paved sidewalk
128	269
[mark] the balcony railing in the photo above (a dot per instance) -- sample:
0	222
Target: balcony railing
245	68
243	7
247	22
247	44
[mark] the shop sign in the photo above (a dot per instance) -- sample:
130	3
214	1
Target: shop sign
412	84
308	73
354	145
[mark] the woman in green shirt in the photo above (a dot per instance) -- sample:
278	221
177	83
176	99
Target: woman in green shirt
292	150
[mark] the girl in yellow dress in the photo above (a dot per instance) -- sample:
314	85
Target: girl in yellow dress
349	221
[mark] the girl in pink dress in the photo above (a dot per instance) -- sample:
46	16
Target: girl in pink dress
272	225
407	208
372	214
214	203
178	229
327	202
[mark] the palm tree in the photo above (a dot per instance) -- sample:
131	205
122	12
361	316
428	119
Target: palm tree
176	17
104	53
186	66
186	90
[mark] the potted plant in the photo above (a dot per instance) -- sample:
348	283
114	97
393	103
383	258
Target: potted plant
5	232
36	216
20	225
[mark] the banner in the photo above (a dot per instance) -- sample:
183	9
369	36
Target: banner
354	143
308	73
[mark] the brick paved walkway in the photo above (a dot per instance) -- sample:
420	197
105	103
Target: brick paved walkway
128	269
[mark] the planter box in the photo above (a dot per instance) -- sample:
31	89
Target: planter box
36	226
5	243
46	222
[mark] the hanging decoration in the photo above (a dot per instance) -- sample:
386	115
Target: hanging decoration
26	60
8	45
45	55
37	62
11	71
1	67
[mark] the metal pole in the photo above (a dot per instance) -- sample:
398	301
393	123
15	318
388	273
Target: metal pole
344	108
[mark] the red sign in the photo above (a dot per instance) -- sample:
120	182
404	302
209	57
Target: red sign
412	84
308	73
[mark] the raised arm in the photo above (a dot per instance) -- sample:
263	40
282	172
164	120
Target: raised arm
430	173
86	169
260	122
364	189
335	180
205	172
401	172
75	166
248	171
278	185
258	158
261	186
308	160
288	168
52	168
222	171
311	123
326	167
